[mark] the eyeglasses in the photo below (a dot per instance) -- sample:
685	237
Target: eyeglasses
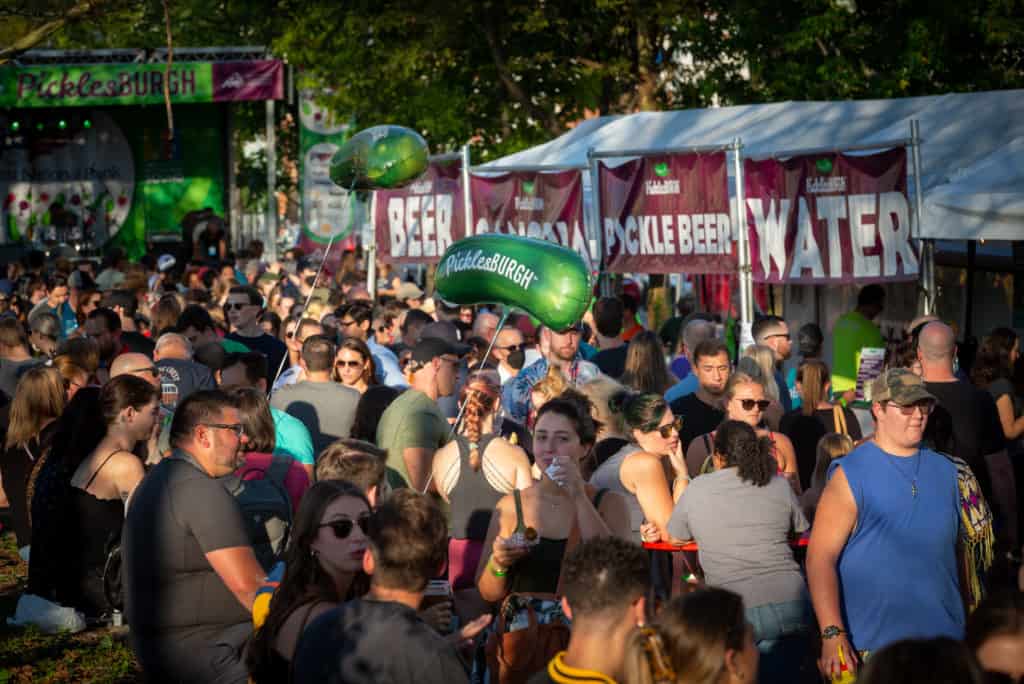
749	404
926	407
342	527
513	347
348	364
237	306
666	430
237	428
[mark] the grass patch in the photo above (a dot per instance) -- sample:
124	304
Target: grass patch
27	655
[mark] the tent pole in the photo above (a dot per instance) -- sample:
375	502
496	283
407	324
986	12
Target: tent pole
271	228
604	286
371	252
746	289
927	246
467	199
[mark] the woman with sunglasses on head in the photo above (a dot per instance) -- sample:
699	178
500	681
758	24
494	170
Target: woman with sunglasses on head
745	401
354	366
532	530
742	517
648	472
701	637
323	568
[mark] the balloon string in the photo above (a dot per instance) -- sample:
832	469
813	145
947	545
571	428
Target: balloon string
309	297
483	360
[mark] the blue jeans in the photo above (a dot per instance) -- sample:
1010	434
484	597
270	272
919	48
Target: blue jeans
783	634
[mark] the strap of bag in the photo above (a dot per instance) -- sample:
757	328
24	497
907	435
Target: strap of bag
840	419
278	469
520	525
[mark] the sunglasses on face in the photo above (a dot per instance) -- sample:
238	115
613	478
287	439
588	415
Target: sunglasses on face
666	430
749	404
237	306
348	364
513	347
925	406
342	527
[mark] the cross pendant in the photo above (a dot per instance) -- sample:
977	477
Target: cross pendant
913	489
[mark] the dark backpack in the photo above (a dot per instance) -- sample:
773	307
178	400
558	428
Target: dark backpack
266	507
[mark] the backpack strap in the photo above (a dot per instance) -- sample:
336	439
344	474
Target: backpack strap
278	469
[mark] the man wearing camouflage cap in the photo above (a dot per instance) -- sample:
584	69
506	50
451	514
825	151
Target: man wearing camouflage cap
882	562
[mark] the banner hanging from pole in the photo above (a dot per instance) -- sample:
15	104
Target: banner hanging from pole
417	223
830	219
544	205
667	214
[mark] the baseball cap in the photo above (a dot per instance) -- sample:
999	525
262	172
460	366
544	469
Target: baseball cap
899	386
165	263
429	348
408	291
446	330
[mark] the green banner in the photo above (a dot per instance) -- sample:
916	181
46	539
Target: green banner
106	84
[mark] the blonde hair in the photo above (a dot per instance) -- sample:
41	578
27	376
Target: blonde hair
38	399
480	397
551	385
741	376
600	391
316	309
765	359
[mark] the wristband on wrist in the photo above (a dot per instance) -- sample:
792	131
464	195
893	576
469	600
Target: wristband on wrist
832	631
496	569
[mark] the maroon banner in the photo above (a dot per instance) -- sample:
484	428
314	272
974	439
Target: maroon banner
255	80
831	218
667	214
417	223
546	205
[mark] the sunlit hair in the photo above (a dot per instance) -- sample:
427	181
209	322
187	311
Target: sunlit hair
831	446
39	397
600	390
688	641
646	370
479	399
765	358
741	377
813	377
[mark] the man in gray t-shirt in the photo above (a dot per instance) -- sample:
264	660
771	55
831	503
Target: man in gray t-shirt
327	408
190	574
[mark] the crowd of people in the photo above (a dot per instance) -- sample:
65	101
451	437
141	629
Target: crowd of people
271	472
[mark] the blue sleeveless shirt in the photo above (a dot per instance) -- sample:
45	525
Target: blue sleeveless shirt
898	571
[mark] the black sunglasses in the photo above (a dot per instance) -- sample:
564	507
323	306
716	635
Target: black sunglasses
749	404
342	527
666	430
237	306
513	347
349	364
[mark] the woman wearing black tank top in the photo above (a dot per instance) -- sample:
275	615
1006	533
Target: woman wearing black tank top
102	485
532	530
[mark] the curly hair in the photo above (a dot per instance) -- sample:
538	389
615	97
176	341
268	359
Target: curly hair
479	398
739	445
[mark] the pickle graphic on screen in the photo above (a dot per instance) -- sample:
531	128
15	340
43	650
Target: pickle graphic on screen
546	280
380	158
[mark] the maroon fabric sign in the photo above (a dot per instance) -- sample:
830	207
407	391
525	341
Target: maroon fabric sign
257	80
831	218
417	223
667	214
545	205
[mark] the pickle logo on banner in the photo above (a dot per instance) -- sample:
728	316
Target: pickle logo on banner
417	223
667	214
546	206
830	219
327	209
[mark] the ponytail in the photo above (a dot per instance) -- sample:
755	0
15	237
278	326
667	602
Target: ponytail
740	446
647	660
479	399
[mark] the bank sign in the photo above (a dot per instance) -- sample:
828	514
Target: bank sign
140	84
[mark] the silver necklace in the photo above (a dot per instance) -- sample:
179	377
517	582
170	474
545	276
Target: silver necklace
917	469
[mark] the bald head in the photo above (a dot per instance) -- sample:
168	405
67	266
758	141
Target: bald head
172	346
138	365
937	342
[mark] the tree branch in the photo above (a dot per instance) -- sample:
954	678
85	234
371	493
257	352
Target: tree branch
41	33
513	87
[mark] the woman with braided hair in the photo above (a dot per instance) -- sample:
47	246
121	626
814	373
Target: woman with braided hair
699	638
743	516
473	471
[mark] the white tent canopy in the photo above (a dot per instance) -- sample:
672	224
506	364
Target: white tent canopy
973	180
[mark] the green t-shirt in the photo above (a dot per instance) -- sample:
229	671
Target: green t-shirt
852	332
411	421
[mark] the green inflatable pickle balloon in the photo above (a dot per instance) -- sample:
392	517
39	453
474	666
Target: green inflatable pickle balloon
380	158
546	280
